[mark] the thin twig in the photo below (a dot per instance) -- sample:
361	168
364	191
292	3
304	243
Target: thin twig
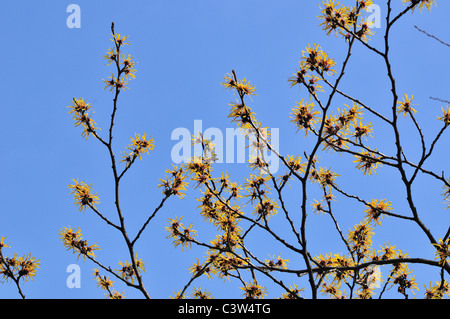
432	36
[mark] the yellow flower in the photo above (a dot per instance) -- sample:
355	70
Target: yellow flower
102	281
141	144
181	235
367	161
317	207
115	82
79	106
120	40
362	130
2	243
404	281
303	116
16	268
245	87
175	184
364	4
117	295
128	65
254	291
178	295
110	56
140	264
277	262
326	64
313	86
364	30
375	209
110	82
438	291
229	82
68	235
326	177
405	105
310	57
80	109
295	163
235	190
333	289
361	238
336	17
427	3
294	292
126	271
442	250
266	208
83	196
446	116
28	266
331	125
196	269
199	294
389	252
298	77
351	115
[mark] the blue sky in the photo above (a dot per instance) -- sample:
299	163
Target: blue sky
183	49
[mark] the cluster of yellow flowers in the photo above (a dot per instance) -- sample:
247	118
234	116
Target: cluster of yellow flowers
124	65
16	268
218	208
254	291
437	291
346	20
242	87
73	240
81	116
333	275
181	235
303	116
443	250
127	271
106	284
174	183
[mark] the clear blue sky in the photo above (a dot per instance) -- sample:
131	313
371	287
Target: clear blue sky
183	49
